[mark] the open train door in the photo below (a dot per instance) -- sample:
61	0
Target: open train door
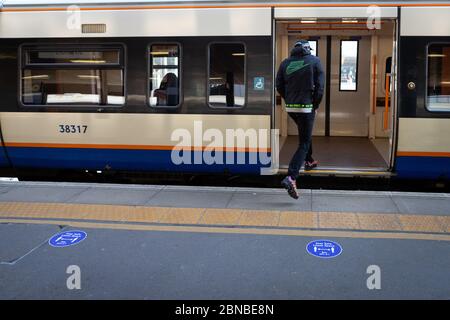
354	127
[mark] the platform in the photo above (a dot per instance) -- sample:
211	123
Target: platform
183	242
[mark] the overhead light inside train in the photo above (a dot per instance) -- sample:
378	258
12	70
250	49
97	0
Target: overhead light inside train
88	61
348	20
41	76
437	55
309	20
160	53
238	54
87	76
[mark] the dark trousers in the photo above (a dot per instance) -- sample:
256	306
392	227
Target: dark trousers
305	124
309	157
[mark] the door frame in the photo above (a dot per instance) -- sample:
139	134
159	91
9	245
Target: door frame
394	86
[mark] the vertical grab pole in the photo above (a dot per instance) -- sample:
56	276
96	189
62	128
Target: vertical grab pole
386	103
374	85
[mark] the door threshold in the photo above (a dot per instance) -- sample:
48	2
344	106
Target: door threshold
343	172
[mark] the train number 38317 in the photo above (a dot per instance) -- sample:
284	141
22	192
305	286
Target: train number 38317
71	128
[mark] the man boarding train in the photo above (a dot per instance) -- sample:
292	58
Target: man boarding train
300	82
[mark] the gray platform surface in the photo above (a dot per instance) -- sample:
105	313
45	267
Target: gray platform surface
150	264
222	197
117	264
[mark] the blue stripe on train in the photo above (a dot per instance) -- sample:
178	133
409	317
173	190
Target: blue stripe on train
160	160
3	160
119	159
423	167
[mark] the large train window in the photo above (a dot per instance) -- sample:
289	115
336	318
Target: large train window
348	69
438	78
226	80
72	76
164	75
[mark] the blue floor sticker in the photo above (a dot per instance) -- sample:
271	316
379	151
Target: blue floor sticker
67	238
324	248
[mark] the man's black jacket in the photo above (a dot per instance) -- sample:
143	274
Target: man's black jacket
300	81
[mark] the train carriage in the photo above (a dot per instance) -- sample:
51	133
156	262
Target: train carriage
188	86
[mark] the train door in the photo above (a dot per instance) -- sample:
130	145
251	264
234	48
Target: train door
349	87
345	118
354	124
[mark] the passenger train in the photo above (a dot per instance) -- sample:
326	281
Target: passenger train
188	86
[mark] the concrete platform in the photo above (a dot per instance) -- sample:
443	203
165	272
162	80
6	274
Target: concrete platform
181	242
220	197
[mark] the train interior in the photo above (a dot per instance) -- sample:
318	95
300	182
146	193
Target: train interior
353	126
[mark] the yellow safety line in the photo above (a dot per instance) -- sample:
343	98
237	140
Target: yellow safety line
210	217
341	172
345	172
237	217
228	230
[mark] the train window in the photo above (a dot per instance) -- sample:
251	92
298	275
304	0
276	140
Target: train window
348	65
72	76
387	71
226	82
313	45
438	78
72	57
164	75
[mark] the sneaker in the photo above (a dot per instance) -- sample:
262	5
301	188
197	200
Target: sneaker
289	184
311	165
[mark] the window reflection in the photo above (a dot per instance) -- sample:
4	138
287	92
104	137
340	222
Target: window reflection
438	78
71	57
98	87
226	75
164	70
58	76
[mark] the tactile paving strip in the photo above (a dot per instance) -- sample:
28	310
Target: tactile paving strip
351	221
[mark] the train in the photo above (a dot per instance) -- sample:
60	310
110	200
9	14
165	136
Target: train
188	86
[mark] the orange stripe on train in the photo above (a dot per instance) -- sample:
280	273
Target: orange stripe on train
274	5
422	154
132	147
